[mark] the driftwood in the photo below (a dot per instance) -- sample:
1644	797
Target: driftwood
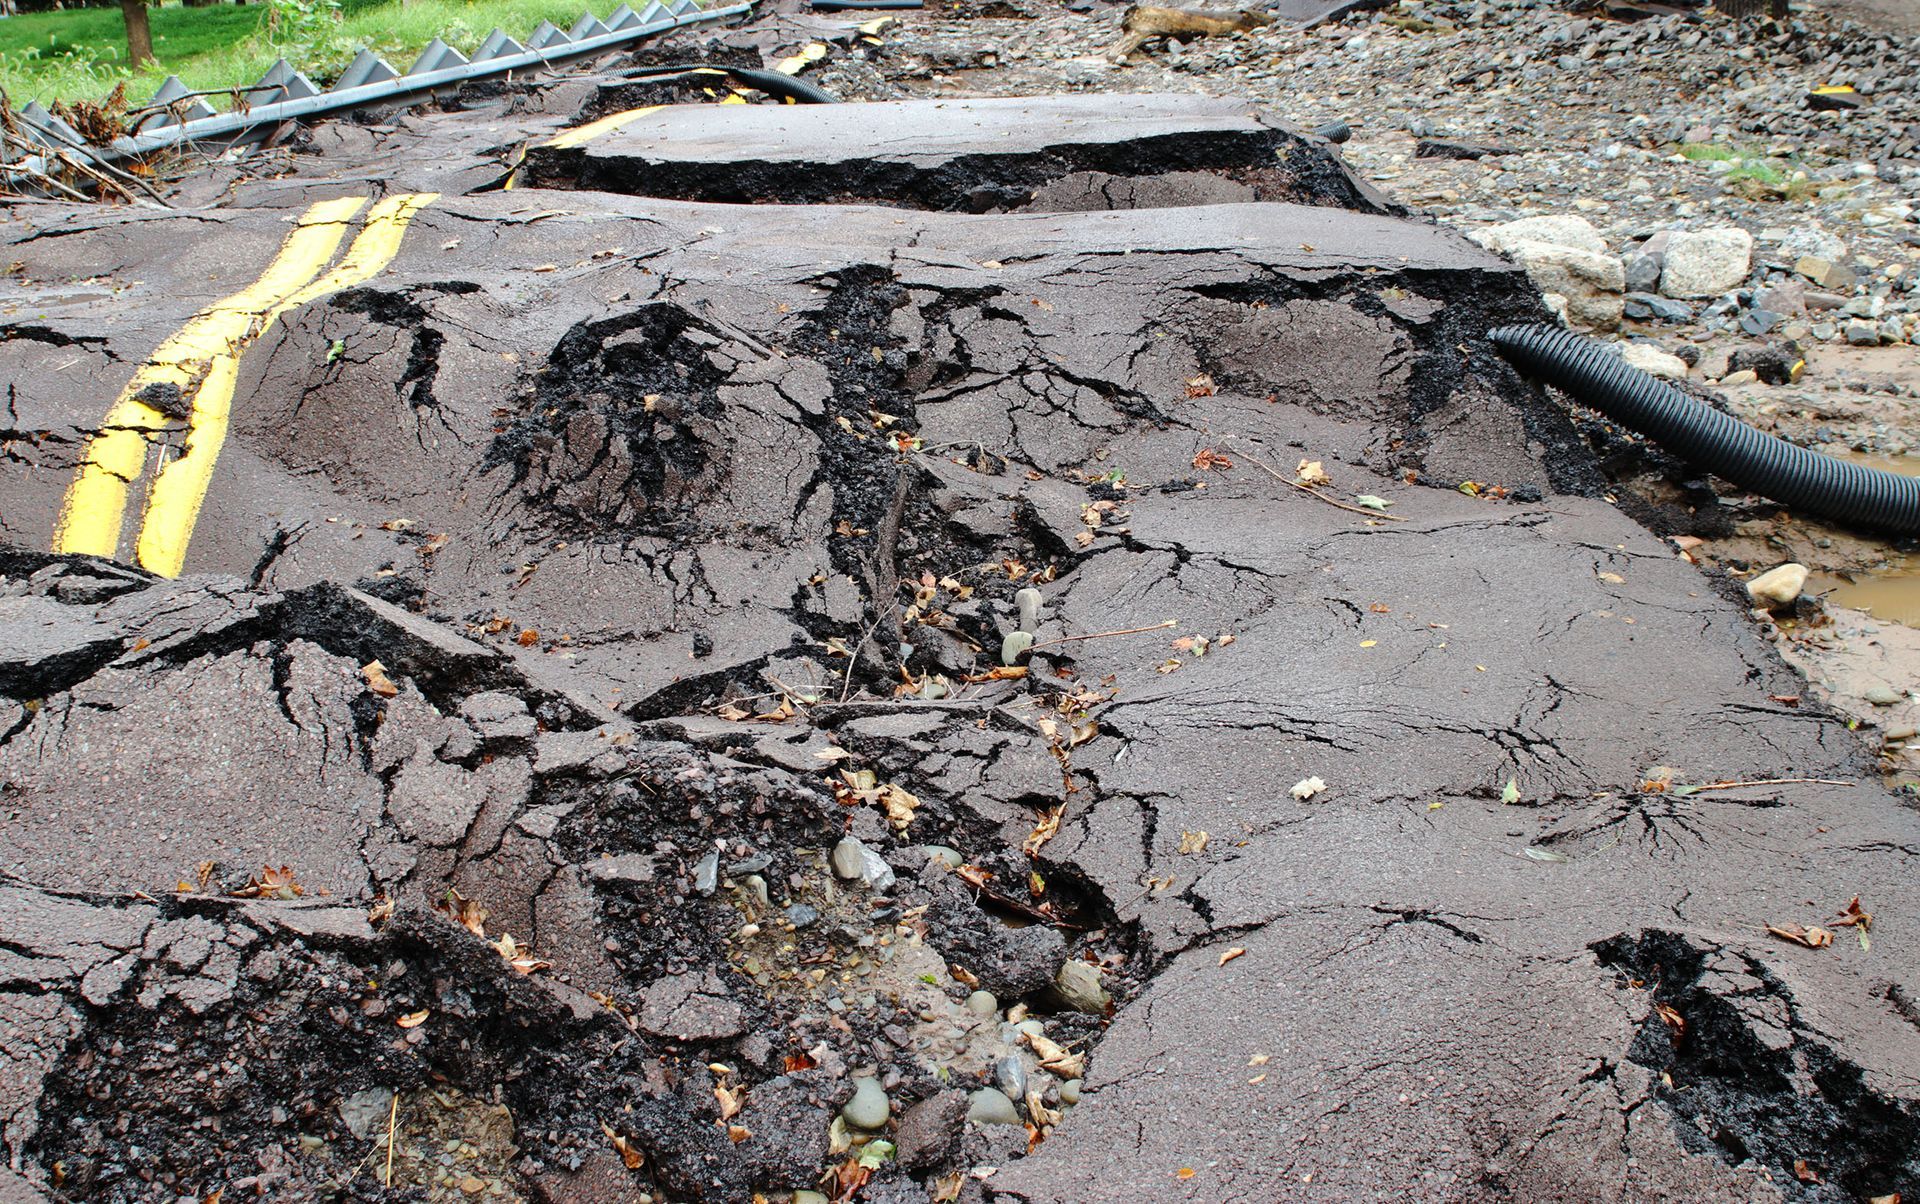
1145	22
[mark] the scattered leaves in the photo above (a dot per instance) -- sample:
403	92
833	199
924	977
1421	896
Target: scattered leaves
1232	953
1812	938
1306	788
271	883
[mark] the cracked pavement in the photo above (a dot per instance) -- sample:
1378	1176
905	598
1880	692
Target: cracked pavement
664	519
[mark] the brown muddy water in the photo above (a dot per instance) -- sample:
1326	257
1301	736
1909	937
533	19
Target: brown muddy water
1889	589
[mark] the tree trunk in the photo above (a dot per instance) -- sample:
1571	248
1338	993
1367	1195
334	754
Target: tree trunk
139	37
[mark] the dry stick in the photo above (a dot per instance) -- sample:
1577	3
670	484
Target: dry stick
393	1114
1312	492
1771	782
1100	635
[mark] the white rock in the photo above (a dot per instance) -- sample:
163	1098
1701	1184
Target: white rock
1778	587
1591	282
1555	231
1652	360
1706	263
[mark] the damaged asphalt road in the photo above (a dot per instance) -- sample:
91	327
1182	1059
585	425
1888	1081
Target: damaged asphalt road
574	755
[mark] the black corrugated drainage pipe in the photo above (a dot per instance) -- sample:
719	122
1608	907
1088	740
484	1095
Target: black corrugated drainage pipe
1755	461
773	83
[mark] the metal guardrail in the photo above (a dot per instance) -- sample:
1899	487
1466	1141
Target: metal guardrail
178	115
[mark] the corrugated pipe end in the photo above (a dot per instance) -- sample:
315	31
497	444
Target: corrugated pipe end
1596	376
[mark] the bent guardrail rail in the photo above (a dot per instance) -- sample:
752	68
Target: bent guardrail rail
179	116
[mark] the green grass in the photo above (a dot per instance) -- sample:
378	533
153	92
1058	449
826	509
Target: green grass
1704	151
80	54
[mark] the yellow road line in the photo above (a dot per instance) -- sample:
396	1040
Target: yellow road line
93	511
792	64
180	487
583	134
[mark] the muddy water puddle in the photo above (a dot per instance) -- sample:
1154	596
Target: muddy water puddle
1889	589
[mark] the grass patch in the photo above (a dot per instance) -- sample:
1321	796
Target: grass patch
1701	152
80	54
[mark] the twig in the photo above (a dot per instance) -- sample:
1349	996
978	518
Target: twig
846	685
393	1115
1310	491
1100	635
1771	782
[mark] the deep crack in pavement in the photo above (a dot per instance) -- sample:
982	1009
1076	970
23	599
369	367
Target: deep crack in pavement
585	740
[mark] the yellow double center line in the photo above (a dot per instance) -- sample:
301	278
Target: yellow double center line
202	362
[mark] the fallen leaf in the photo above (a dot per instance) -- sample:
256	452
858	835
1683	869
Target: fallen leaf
1675	1022
1211	459
1232	953
381	911
527	638
1536	853
414	1019
1311	472
1259	1059
1193	842
518	956
1812	938
732	1099
1054	1058
1613	578
1045	830
1510	793
1371	501
377	680
798	1062
899	806
738	1133
1854	917
271	883
1368	643
1803	1172
1306	788
621	1146
1185	1172
974	874
1202	386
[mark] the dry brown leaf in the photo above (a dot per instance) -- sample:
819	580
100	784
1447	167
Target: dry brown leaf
1812	938
1208	459
1045	830
1232	953
519	956
899	806
1803	1172
738	1133
1054	1058
1193	842
1675	1022
381	911
732	1099
271	883
621	1146
1202	386
377	679
1852	917
1311	473
414	1019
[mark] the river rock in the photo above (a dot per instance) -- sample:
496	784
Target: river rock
1564	230
1706	263
1778	587
930	1131
1883	696
869	1108
988	1106
1590	281
1652	360
1078	985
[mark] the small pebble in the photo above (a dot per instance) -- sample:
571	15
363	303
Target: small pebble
1882	696
983	1003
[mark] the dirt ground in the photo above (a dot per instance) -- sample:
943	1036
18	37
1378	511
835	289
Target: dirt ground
930	650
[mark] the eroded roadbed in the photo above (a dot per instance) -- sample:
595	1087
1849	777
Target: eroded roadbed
577	696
